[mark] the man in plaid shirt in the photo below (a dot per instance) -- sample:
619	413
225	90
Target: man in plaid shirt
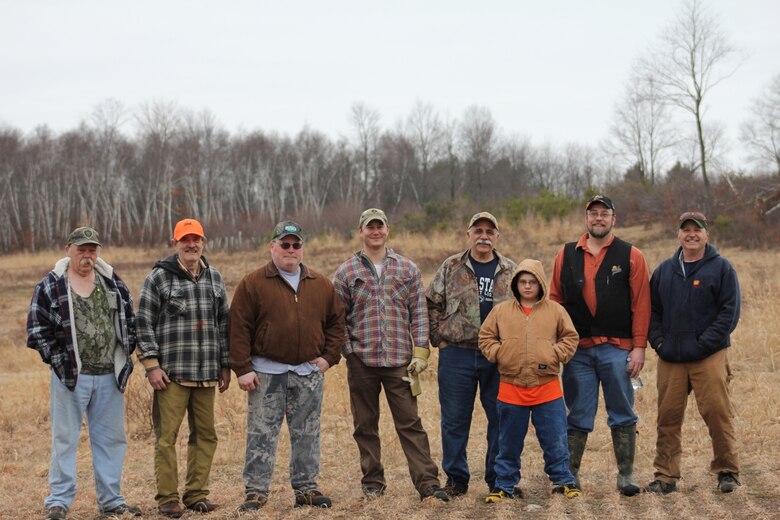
183	345
386	346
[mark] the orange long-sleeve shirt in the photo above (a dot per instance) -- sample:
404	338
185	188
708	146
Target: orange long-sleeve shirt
639	283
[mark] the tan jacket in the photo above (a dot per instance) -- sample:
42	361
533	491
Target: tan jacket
529	350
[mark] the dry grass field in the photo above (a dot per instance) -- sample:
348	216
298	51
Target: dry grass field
24	408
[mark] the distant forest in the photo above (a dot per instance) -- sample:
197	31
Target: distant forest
177	164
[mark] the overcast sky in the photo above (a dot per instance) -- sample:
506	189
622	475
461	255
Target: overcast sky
550	70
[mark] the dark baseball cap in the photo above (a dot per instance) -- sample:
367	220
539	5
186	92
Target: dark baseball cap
287	227
697	217
600	199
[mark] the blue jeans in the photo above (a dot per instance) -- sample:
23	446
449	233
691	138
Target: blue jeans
549	420
604	364
461	370
101	400
299	400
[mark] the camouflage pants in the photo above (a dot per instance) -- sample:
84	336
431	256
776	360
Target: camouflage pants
280	396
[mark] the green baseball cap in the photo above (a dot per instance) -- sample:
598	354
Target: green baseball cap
83	235
287	227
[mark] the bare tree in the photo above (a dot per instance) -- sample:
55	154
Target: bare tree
365	121
761	133
425	133
478	140
641	127
694	55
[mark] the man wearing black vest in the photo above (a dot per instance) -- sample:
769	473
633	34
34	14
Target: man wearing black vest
603	282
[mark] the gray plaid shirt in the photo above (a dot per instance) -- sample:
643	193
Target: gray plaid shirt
183	322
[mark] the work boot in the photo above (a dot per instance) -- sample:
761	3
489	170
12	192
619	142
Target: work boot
577	441
624	444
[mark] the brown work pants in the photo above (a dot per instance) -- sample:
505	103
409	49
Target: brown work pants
709	379
365	385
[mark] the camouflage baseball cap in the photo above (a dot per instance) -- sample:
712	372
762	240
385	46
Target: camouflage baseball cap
83	235
483	215
287	227
372	214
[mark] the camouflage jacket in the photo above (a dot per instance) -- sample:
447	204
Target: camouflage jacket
453	299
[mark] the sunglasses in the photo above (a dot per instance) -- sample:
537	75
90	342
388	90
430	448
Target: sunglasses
288	245
693	215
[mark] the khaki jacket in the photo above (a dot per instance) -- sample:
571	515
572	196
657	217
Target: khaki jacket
529	350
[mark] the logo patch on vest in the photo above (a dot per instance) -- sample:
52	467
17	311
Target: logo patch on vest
696	283
542	366
616	269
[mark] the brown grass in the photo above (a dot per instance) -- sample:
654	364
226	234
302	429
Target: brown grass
24	415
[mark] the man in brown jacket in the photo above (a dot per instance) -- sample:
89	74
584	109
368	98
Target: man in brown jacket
286	329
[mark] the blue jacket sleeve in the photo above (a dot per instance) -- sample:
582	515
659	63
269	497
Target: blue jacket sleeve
716	336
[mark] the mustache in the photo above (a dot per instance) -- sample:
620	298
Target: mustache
485	241
190	249
87	261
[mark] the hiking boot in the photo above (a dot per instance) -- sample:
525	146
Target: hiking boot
456	490
660	487
624	444
727	482
568	490
170	509
498	495
253	502
311	497
122	509
577	441
55	513
436	492
203	505
373	492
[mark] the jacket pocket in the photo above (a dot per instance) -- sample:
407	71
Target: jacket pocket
177	305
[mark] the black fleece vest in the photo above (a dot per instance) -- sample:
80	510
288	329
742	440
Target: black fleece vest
613	292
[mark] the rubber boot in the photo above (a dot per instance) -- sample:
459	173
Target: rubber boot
624	443
577	441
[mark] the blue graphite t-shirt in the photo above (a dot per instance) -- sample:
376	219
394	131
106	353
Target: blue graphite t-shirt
485	271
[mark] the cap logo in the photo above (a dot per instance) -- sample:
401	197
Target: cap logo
88	233
290	229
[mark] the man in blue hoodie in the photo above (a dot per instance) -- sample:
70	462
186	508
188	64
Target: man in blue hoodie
695	307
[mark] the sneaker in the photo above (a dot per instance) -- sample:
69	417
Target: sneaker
568	490
660	487
203	505
122	509
727	482
253	502
373	492
455	490
498	495
311	497
436	492
55	513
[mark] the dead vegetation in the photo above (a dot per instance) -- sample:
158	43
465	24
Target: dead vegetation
24	409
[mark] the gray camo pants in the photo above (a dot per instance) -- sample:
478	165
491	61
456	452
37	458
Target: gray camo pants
299	399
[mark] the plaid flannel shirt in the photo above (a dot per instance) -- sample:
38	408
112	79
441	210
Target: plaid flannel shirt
386	316
183	323
51	326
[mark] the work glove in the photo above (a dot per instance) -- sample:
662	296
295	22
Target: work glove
414	384
419	361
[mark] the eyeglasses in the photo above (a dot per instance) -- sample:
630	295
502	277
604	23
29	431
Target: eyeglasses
596	214
529	283
288	245
693	215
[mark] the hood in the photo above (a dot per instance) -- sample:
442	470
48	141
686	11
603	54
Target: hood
710	252
100	266
534	267
172	265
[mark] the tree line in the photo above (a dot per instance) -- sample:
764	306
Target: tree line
133	173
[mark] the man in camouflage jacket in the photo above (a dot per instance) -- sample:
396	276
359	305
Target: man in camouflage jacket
462	293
